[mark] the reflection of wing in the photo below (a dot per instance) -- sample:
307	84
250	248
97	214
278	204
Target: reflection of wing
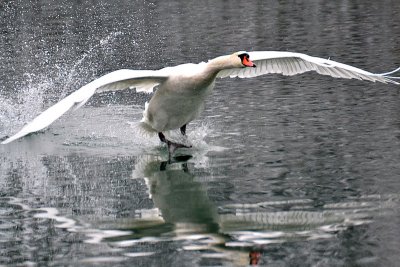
288	63
258	216
142	80
279	220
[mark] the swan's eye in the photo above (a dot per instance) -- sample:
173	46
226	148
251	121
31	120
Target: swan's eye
246	60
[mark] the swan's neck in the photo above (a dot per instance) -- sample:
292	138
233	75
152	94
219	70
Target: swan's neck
220	63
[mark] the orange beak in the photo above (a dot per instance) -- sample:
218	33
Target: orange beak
248	63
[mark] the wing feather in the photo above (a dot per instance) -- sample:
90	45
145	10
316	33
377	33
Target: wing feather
142	80
288	63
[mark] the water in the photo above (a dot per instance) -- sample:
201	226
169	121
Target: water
285	171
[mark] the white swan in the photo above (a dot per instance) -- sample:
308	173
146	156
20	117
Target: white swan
182	89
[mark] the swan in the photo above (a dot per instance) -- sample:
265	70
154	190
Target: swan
182	89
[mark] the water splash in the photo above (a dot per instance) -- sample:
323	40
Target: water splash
26	104
26	101
105	43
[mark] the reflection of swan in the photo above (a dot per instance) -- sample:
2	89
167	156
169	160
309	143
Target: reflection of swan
184	212
183	88
177	195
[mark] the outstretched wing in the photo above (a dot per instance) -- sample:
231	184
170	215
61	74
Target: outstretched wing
288	63
142	80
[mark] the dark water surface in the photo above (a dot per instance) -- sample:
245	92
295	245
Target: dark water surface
286	171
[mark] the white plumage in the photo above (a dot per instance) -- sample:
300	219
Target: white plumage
182	89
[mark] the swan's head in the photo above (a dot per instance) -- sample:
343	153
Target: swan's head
245	60
236	60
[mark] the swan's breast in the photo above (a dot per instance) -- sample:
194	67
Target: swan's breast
188	79
181	98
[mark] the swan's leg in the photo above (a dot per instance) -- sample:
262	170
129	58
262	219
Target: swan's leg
162	137
172	146
183	129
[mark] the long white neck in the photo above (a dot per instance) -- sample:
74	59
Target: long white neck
223	62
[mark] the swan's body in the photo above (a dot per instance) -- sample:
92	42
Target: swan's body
181	98
183	89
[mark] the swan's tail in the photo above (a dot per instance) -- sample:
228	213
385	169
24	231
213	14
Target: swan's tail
143	126
144	129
